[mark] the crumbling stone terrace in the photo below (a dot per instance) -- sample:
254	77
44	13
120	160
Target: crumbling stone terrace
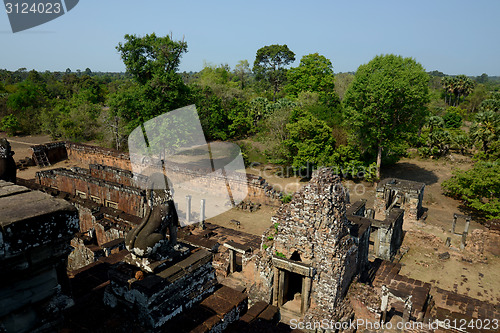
100	227
35	231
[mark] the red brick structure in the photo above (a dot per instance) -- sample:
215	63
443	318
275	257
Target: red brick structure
80	182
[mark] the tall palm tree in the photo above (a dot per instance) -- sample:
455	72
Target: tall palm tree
486	128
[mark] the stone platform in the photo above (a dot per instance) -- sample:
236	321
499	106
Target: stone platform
35	233
158	297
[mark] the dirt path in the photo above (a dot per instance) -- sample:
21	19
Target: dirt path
21	144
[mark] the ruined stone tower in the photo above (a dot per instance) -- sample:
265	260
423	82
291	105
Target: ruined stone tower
309	257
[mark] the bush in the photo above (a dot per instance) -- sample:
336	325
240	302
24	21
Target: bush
286	198
452	119
479	188
10	124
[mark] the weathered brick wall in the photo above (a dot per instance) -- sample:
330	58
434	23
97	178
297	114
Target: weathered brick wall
108	224
108	162
259	191
87	154
112	174
129	199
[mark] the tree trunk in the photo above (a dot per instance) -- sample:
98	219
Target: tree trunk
379	161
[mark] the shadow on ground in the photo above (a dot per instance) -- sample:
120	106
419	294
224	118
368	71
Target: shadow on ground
409	171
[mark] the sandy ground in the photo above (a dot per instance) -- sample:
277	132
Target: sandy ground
473	272
21	144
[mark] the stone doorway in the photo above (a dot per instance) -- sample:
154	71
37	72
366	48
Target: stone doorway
292	292
292	285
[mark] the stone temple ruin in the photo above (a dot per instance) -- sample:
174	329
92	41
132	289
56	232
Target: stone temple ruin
134	264
399	193
309	257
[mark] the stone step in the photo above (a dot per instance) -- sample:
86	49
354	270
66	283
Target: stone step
235	283
287	315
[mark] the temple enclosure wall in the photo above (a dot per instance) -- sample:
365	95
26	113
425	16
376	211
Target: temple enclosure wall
87	155
78	182
115	166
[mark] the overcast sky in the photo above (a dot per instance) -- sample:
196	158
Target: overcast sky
452	36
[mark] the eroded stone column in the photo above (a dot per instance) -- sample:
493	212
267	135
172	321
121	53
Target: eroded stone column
384	302
306	292
407	310
232	261
465	233
202	214
454	223
275	286
188	209
281	287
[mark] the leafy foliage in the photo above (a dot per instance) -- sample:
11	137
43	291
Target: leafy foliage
148	58
452	118
314	74
10	124
310	142
269	65
456	87
387	97
486	129
479	188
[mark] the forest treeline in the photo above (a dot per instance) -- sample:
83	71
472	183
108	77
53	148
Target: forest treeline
304	116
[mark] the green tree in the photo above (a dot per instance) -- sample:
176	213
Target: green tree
386	99
310	142
153	63
475	99
10	124
479	188
27	95
452	118
456	87
342	82
314	74
242	71
482	79
490	104
486	129
150	56
269	65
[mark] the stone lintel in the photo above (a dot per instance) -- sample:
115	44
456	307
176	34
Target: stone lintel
381	224
293	266
7	189
237	247
394	214
360	225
